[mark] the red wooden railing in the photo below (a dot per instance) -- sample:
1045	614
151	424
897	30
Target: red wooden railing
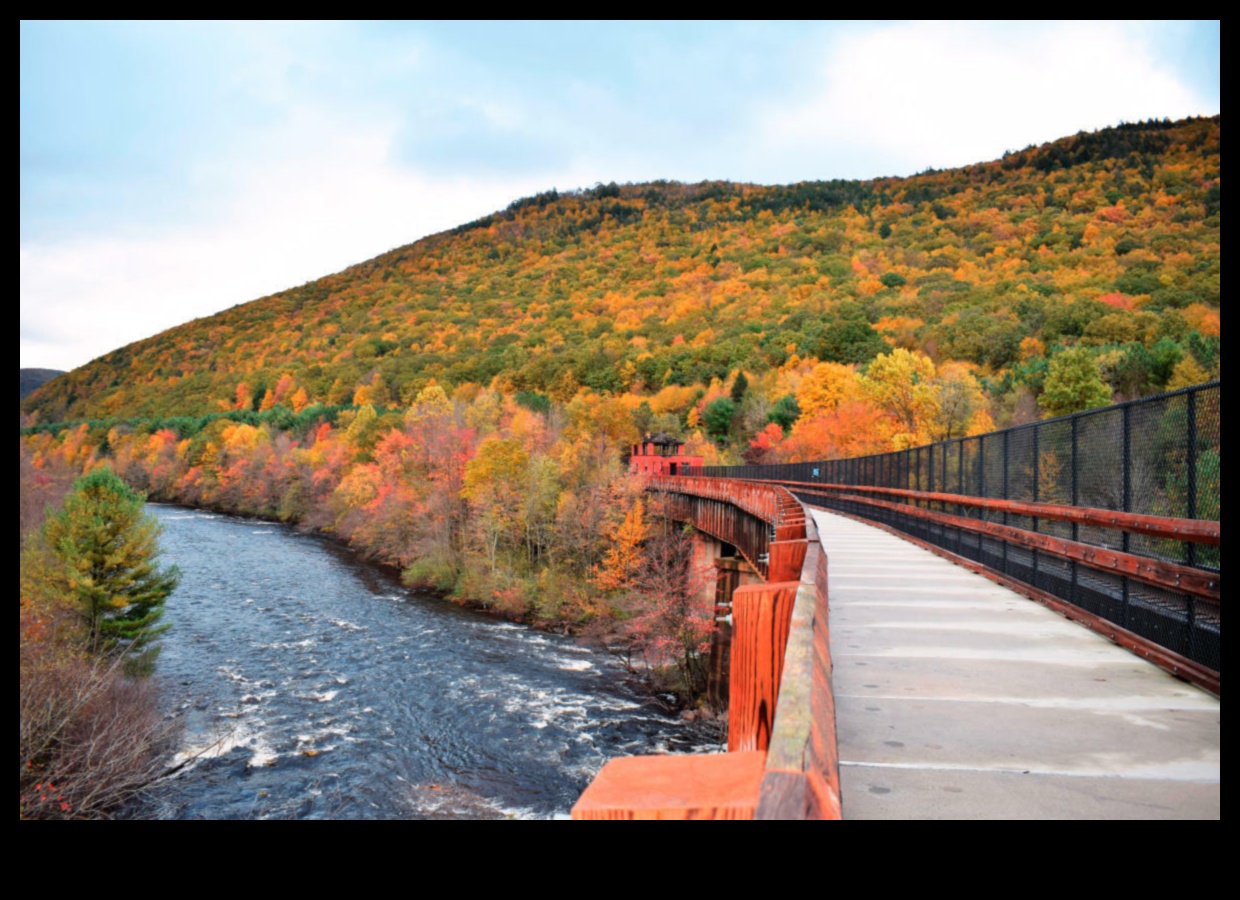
782	760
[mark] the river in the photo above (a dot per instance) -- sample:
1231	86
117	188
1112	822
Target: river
314	685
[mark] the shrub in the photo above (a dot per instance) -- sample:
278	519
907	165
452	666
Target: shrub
90	737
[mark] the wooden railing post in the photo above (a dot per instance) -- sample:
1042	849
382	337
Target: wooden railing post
786	558
760	617
802	764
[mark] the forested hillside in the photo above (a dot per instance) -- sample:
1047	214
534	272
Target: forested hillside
1105	243
32	378
462	407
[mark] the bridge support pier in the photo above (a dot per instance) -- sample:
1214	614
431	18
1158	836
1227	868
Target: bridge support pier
720	571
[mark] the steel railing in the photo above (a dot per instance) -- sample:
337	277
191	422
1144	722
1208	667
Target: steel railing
1112	512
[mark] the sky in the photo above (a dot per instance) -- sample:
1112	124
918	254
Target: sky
172	170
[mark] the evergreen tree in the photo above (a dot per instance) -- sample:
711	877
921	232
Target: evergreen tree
739	386
785	412
717	417
106	545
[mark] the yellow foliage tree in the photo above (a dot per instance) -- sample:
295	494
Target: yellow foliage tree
431	403
621	562
827	386
1186	373
494	482
359	430
961	404
902	384
300	400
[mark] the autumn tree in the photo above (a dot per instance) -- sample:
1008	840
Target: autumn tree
363	430
1073	384
300	400
39	489
855	428
827	386
764	448
106	548
643	417
671	615
442	447
599	429
494	481
902	383
623	559
962	407
431	403
1186	373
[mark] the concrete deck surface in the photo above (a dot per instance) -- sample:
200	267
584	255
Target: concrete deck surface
957	698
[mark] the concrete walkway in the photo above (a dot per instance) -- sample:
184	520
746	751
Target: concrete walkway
957	698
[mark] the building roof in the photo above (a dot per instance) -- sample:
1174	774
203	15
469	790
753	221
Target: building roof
663	439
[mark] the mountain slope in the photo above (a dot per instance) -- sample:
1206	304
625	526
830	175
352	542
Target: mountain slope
1109	239
30	379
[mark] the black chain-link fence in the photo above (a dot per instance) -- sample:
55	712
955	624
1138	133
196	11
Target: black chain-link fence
1157	456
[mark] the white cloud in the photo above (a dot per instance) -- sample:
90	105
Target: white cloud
341	199
947	94
313	181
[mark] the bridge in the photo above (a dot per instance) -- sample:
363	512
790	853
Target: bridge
1023	624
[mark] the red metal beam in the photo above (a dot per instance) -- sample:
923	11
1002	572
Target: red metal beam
772	504
718	527
1200	531
1168	575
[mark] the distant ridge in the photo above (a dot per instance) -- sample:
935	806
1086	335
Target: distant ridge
33	378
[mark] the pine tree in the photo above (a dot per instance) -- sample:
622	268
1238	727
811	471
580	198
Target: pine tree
739	387
106	545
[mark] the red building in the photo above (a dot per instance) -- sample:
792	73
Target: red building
660	455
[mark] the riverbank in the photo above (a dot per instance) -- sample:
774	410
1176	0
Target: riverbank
517	514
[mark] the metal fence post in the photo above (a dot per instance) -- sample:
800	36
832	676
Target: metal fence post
1126	499
1076	467
981	492
1037	474
943	486
1191	482
959	510
1190	555
981	473
1006	435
